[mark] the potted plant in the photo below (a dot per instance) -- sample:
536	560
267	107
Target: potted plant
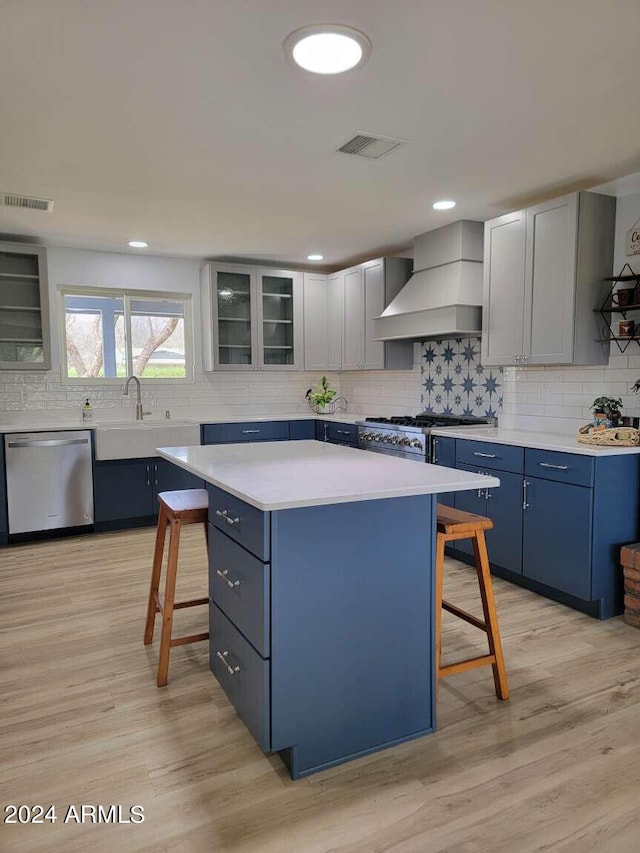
606	411
321	398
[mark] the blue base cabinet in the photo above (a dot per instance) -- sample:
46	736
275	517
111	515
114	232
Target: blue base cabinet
125	491
558	536
4	524
559	520
324	657
443	452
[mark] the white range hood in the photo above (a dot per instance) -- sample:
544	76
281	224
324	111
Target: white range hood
443	298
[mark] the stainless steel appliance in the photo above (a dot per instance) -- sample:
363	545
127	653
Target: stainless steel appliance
409	436
49	480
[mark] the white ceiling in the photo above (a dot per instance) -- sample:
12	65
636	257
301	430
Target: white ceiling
181	123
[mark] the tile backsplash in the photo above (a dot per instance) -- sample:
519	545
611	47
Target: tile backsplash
454	382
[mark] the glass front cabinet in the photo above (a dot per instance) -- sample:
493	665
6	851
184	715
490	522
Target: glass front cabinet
24	308
252	318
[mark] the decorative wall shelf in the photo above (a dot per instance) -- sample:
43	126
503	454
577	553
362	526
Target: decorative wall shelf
609	308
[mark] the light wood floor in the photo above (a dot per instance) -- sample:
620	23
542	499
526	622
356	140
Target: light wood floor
82	722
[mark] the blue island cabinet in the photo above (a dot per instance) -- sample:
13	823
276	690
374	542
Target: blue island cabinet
325	652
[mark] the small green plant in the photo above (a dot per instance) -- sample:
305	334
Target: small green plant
322	396
611	407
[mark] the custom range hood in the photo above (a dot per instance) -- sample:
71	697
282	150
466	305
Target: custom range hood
443	297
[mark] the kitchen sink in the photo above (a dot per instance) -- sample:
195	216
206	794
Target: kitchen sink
139	439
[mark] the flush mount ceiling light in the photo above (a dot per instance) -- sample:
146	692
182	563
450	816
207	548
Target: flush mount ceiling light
327	48
444	205
138	244
315	257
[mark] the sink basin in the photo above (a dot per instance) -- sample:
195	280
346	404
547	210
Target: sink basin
139	439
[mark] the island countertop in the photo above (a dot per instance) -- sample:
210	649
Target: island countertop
284	475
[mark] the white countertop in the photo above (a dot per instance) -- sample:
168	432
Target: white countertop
37	423
539	440
283	475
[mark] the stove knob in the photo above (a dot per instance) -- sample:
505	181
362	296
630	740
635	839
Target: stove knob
366	436
395	439
377	437
415	442
404	441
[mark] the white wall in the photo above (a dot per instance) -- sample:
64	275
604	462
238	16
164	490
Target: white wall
211	393
559	398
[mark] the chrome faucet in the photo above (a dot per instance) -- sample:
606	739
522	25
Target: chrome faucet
125	393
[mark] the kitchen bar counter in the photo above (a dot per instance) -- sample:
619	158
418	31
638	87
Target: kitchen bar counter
561	442
321	583
284	475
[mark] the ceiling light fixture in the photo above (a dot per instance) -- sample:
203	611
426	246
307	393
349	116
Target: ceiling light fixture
444	205
315	257
138	244
327	48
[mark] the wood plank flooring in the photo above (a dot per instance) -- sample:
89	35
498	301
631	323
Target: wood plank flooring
82	722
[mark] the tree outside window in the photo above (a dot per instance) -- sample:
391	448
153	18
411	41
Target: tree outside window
110	335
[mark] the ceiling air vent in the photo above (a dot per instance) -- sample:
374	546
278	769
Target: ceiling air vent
369	146
26	202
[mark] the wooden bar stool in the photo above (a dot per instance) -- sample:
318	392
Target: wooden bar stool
188	506
455	524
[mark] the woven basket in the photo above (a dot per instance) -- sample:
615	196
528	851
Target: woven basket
614	437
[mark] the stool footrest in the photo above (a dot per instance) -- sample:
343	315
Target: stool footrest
192	638
464	665
463	614
177	605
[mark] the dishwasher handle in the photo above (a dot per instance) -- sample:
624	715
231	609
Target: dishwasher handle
51	442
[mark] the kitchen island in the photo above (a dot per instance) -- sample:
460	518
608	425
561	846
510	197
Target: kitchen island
321	583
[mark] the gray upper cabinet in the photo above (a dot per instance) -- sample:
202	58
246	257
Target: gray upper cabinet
323	310
503	306
251	318
368	289
24	308
336	313
543	277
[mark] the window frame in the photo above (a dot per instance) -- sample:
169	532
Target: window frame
127	295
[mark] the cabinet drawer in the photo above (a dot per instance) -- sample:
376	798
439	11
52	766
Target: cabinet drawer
240	585
562	467
487	454
343	433
249	431
241	521
243	675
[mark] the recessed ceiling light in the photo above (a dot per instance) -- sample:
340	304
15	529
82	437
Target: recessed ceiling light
138	244
327	48
444	205
315	257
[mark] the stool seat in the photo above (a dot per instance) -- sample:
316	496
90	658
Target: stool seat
452	520
184	502
178	508
453	524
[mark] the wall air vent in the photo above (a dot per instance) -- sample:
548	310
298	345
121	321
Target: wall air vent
370	146
26	202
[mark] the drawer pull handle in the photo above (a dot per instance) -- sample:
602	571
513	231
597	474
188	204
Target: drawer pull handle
225	515
344	432
224	574
223	656
250	431
557	467
485	455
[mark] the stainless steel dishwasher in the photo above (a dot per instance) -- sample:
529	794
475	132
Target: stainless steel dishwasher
49	480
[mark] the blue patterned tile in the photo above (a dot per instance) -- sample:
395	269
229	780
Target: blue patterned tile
454	381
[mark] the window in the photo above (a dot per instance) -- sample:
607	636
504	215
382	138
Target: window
111	334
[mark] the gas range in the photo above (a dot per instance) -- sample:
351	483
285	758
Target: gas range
409	436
